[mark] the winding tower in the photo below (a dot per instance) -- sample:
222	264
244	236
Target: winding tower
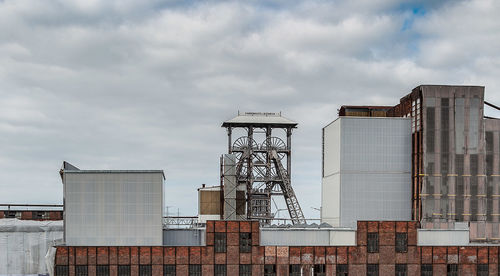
263	163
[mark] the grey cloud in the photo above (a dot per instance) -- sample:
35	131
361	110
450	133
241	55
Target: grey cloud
146	85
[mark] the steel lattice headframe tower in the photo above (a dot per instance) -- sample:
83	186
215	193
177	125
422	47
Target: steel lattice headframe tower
259	164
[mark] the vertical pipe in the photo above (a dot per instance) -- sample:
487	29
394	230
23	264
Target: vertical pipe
229	142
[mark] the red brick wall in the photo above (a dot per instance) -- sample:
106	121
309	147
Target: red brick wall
356	257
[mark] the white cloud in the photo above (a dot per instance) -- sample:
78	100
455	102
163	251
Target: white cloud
112	84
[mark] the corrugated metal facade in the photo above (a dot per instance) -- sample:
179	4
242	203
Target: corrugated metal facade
367	165
113	208
184	237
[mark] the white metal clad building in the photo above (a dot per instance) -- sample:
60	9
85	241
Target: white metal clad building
366	170
113	207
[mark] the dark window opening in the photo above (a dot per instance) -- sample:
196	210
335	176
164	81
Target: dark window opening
194	270
426	270
342	270
372	270
245	270
220	242
62	270
124	270
372	242
102	270
295	270
319	270
81	270
452	270
269	270
145	270
401	270
401	242
482	270
9	214
245	242
168	270
220	270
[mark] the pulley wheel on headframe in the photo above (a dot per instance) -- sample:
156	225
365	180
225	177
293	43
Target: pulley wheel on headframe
275	143
244	143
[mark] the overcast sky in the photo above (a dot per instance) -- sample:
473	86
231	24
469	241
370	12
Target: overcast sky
146	84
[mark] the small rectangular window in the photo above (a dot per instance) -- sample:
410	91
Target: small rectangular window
401	242
194	270
372	270
220	270
11	214
295	270
269	270
145	270
39	215
62	270
81	270
124	270
168	270
482	270
102	270
401	270
452	270
342	270
245	242
220	242
319	270
372	243
246	270
426	270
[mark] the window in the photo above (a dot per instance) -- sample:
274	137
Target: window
220	270
194	270
145	270
372	270
426	270
62	270
401	270
482	270
168	270
245	270
342	270
81	270
245	242
401	242
102	270
372	243
319	270
10	214
295	270
124	270
452	270
269	270
220	242
39	215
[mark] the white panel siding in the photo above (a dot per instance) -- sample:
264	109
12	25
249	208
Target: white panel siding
374	180
113	208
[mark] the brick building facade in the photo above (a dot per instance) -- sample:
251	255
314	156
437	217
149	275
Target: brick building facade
383	248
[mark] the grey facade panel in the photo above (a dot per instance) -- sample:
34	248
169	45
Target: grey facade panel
374	177
184	237
113	208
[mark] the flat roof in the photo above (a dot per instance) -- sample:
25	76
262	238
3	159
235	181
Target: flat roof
116	171
259	119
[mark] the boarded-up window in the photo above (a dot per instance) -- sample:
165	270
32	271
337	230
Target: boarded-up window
210	202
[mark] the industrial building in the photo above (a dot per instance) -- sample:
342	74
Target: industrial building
398	189
455	157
